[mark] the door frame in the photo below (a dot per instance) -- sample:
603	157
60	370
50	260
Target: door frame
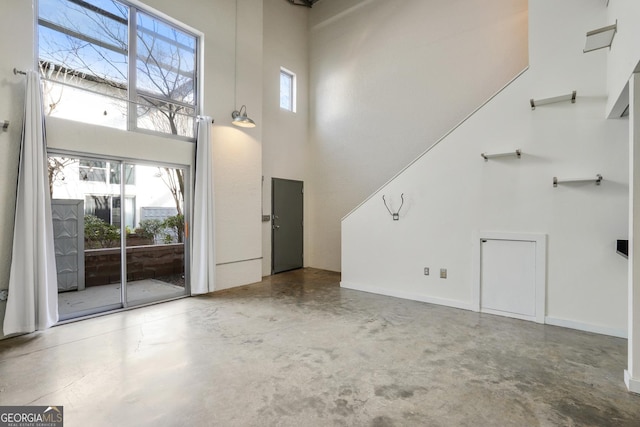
273	258
124	304
541	267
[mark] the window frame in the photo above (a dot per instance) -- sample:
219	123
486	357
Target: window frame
292	93
132	93
111	175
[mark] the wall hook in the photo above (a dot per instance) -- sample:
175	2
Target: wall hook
396	215
5	125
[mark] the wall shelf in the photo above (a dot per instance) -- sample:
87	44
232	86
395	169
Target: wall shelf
597	180
537	102
487	156
600	38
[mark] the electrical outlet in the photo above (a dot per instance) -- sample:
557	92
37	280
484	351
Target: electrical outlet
426	271
4	294
443	273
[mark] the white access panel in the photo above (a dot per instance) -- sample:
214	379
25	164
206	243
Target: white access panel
508	278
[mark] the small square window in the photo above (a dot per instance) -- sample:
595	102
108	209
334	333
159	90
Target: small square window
287	90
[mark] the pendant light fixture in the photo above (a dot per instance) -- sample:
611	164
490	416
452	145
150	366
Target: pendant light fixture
239	116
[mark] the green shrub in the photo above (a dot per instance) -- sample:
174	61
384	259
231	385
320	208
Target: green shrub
151	228
99	234
176	223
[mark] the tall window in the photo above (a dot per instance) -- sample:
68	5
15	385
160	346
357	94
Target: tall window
287	90
95	72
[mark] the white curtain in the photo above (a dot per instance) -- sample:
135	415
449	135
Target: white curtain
33	290
203	260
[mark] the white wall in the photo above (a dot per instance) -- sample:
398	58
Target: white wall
625	50
452	194
284	133
237	151
388	78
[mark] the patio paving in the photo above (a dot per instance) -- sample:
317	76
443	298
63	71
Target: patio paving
93	297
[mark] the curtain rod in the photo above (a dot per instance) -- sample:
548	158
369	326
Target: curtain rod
16	72
202	118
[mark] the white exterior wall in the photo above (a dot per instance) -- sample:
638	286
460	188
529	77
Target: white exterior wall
237	151
284	134
453	194
389	78
147	190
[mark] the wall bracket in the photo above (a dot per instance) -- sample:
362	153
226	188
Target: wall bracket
394	215
597	180
517	153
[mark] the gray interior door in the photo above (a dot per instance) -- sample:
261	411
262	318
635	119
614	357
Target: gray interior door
286	225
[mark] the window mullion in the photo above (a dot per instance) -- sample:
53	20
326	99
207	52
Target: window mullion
156	64
133	49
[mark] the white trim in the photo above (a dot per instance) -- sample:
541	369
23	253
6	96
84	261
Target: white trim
408	295
633	385
168	18
294	89
541	270
586	327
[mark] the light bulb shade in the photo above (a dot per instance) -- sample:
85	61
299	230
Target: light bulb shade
240	118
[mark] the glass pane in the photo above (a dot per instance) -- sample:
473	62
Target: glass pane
85	41
74	103
114	174
286	91
91	170
87	243
166	61
156	247
166	118
100	207
87	218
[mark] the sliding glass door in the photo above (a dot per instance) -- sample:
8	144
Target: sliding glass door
155	257
119	233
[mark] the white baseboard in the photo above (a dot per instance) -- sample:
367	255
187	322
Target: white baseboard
409	295
549	320
633	384
596	329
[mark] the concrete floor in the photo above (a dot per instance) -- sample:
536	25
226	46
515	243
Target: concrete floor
296	350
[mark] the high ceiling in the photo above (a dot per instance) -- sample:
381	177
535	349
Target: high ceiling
307	3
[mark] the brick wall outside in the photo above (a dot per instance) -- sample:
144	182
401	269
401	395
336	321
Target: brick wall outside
102	266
